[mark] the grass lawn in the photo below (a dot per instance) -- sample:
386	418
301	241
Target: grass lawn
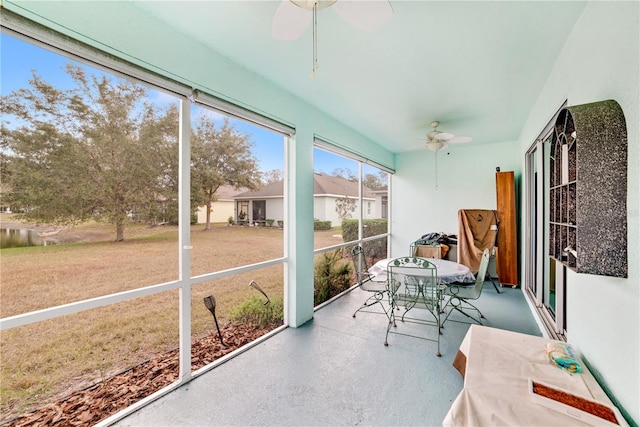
54	357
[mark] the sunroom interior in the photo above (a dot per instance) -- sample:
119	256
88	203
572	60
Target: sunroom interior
497	71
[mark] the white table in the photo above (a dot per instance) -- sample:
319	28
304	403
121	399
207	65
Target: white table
496	366
448	271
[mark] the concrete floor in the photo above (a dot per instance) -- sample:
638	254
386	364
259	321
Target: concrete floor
335	371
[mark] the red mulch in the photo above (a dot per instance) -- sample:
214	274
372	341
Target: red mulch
99	401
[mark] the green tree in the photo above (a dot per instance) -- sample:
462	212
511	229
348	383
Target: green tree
220	155
95	151
345	173
375	181
161	136
5	176
271	176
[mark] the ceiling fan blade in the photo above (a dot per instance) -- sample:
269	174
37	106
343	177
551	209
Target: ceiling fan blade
443	136
365	15
289	21
415	147
460	139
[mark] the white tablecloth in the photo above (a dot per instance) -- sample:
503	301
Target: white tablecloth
448	271
497	365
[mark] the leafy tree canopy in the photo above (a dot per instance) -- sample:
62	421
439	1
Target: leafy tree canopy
376	181
96	151
220	156
370	180
345	173
271	176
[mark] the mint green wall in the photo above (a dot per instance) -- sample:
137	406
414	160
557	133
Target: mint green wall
600	60
466	180
121	29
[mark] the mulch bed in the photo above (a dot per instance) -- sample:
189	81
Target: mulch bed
101	400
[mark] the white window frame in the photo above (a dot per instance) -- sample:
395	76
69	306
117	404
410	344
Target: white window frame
49	39
538	265
324	144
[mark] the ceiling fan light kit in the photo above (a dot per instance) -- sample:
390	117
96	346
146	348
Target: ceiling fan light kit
435	145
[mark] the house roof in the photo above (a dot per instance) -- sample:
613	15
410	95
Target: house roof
227	192
323	185
275	189
336	185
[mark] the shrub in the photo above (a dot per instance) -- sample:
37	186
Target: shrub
332	275
321	225
370	227
280	223
230	220
270	222
256	313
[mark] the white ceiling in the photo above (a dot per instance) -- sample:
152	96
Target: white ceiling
475	66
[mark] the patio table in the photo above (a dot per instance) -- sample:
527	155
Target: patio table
448	271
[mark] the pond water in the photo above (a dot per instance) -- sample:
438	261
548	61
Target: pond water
16	238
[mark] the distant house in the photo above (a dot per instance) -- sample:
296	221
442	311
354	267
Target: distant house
267	203
382	202
221	209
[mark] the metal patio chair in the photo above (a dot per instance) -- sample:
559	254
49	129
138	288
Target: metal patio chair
460	294
413	282
378	289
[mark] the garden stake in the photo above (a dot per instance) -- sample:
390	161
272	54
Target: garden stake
210	303
257	287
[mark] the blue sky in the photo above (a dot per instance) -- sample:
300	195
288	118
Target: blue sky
18	58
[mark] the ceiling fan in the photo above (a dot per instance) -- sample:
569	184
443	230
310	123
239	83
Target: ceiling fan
293	17
437	140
